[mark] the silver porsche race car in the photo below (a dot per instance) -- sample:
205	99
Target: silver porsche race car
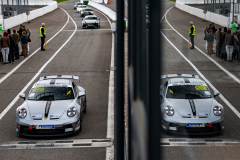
85	12
77	4
54	107
188	107
91	21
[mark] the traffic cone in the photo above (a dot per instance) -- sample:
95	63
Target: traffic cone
127	28
107	1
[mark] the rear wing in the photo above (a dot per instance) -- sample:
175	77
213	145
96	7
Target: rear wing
59	77
180	76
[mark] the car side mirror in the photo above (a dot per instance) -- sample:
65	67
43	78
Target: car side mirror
22	96
80	94
216	93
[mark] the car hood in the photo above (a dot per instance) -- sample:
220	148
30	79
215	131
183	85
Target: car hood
184	107
56	108
91	21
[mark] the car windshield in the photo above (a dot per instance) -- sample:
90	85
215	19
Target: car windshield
81	6
188	92
87	9
78	3
90	18
50	93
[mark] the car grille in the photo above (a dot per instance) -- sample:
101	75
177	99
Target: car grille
214	128
57	130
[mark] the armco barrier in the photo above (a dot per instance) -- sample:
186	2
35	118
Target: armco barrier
19	19
110	13
212	17
202	1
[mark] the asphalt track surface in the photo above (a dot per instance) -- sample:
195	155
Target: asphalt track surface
195	147
87	54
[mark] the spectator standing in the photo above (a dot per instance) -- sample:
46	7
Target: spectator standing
29	40
223	45
210	38
192	33
218	36
235	46
205	37
1	57
20	35
4	45
0	29
16	39
229	45
42	35
24	39
213	28
11	49
9	31
234	26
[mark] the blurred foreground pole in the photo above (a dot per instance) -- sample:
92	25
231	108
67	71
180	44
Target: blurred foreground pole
120	80
154	114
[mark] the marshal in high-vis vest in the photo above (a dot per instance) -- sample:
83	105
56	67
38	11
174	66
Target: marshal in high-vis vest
192	34
42	35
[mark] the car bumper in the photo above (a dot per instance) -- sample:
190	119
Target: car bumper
60	130
181	128
94	25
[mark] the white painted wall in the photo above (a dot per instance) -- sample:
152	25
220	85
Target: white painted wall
212	17
21	18
202	1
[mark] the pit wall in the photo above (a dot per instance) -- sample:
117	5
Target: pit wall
22	18
212	17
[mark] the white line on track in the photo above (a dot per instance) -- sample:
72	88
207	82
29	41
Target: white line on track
204	78
20	64
89	30
217	64
39	72
195	68
110	121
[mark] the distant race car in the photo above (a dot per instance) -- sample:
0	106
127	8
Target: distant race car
91	21
85	12
77	4
188	107
80	7
54	107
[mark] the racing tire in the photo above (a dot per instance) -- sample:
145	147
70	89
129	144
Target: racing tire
85	109
80	129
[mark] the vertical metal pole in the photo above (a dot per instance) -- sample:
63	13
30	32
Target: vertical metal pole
120	80
219	8
21	6
154	115
12	8
8	7
224	7
24	6
207	5
233	12
3	27
211	6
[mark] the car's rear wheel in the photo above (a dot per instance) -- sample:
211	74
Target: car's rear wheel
85	109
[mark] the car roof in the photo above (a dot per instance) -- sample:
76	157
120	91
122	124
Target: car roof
185	81
56	82
91	16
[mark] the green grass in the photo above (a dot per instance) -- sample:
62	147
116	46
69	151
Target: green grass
58	1
173	0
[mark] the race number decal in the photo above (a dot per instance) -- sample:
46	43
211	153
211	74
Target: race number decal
203	88
38	89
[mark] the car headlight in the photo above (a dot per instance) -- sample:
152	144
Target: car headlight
97	21
217	111
22	112
91	11
84	21
169	110
71	112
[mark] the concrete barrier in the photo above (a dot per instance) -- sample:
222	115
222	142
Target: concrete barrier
212	17
110	13
21	18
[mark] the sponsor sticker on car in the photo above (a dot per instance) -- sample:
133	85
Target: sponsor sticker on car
195	125
45	127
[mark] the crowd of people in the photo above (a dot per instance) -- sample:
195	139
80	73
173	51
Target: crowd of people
227	42
12	46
